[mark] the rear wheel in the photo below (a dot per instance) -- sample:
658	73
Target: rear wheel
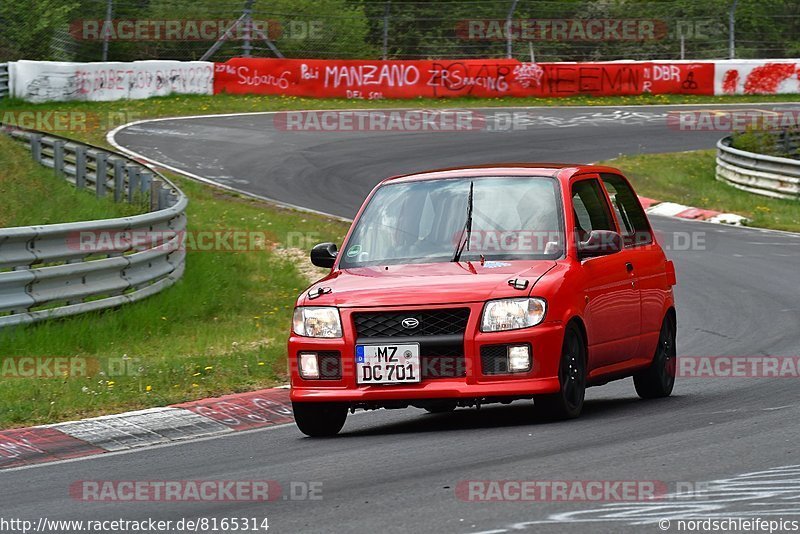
658	380
319	419
568	402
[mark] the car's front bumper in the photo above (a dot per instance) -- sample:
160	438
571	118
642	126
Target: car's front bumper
545	340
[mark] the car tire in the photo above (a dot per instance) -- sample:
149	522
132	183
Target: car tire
568	402
441	407
658	380
319	419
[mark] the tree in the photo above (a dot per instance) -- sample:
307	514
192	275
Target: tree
31	28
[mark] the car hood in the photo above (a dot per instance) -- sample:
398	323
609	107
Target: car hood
421	284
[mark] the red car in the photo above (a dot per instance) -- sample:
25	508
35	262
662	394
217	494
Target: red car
466	286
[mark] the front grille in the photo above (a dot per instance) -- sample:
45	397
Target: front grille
330	365
494	359
431	323
440	334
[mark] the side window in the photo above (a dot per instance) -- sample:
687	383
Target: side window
633	221
590	208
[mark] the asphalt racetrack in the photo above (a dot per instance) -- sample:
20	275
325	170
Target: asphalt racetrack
398	471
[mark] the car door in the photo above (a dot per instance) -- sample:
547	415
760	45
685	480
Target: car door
613	304
647	257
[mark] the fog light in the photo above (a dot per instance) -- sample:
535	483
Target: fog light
309	367
519	358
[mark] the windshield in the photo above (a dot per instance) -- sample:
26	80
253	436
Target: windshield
428	221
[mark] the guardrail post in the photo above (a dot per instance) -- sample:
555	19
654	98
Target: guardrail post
163	198
787	142
147	179
133	181
36	147
80	167
155	186
58	157
5	81
100	174
119	179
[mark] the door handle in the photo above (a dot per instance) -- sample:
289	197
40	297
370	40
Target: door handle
629	266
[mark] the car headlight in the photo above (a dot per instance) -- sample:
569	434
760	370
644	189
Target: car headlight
320	321
511	314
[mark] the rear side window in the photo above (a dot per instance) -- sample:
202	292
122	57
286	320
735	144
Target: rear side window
633	222
590	208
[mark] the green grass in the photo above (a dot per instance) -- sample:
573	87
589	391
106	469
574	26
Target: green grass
689	178
31	194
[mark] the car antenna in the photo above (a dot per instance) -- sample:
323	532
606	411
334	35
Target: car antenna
466	233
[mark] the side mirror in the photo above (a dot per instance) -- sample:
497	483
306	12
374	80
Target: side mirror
600	243
324	255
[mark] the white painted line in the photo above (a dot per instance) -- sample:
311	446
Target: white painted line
141	428
728	218
667	209
773	244
778	408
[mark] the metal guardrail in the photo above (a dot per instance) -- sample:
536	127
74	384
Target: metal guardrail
761	174
44	270
5	81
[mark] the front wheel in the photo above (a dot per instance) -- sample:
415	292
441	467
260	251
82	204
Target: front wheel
319	419
659	379
568	402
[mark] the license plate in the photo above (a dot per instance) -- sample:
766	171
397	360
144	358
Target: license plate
387	364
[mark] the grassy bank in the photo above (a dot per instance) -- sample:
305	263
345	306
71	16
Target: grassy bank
221	329
688	178
31	194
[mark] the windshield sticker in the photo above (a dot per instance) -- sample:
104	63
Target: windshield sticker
495	264
354	251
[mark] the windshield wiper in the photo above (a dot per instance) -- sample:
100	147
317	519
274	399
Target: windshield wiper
466	233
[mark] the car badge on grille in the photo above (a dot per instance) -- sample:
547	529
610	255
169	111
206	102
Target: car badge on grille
410	323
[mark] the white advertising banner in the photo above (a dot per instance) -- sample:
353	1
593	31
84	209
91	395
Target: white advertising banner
48	81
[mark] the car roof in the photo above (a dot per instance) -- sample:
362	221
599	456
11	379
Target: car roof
562	171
